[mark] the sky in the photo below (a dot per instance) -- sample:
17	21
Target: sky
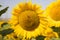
12	3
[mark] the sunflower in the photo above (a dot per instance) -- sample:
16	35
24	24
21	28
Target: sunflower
28	20
9	37
49	33
53	13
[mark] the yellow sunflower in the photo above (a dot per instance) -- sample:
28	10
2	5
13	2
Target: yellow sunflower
52	12
49	33
9	37
28	20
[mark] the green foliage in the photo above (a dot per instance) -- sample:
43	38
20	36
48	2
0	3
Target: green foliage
4	26
56	29
0	5
3	10
55	39
5	30
40	37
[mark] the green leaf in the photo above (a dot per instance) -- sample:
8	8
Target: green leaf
40	37
6	32
0	5
3	11
4	26
56	29
55	39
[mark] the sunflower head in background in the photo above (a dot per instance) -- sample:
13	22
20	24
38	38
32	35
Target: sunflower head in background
53	13
28	20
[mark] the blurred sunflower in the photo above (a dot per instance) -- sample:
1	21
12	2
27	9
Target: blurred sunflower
9	37
49	33
28	20
53	13
12	36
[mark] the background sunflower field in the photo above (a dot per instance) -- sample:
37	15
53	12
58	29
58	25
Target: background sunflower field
8	33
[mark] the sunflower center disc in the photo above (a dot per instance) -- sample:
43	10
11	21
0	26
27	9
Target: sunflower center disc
29	20
55	14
